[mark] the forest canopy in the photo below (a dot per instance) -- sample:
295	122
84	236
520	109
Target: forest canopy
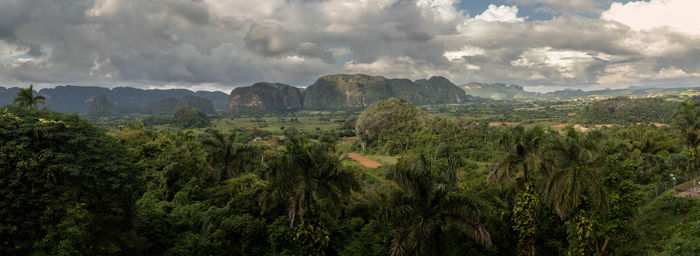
443	186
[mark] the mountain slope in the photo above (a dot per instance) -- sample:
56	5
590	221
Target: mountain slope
266	97
359	91
77	99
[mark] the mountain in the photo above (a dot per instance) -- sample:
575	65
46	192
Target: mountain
359	91
218	99
77	99
101	106
71	99
438	88
195	102
164	106
650	92
170	105
266	97
8	95
515	92
498	91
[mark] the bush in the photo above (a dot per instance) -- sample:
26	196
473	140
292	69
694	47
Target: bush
676	205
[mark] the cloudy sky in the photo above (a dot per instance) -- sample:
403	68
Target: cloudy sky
220	44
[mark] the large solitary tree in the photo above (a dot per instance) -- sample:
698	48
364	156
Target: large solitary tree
26	99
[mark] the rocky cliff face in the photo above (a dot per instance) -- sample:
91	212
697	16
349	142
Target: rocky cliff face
266	97
360	91
441	90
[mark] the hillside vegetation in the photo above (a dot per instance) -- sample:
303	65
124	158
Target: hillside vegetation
624	110
359	91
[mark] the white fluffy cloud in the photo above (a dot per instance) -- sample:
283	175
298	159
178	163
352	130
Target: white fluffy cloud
679	15
501	13
569	64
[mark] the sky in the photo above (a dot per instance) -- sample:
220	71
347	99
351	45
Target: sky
543	45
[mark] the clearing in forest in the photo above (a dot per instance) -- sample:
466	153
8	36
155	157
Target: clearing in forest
364	161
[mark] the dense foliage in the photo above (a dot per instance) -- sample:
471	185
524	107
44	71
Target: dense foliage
66	187
457	186
624	110
388	124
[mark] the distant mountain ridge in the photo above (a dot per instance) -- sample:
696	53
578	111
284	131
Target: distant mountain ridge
77	99
340	91
498	91
515	92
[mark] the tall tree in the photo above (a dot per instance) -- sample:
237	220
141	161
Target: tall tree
687	122
522	160
26	99
305	173
226	158
429	200
573	187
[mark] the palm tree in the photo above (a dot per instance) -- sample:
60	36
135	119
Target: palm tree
522	160
687	121
305	173
227	156
429	200
573	186
26	99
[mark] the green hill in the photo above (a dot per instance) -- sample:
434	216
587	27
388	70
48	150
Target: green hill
625	110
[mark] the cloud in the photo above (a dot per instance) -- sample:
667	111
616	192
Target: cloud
269	39
227	43
678	15
499	14
565	6
568	64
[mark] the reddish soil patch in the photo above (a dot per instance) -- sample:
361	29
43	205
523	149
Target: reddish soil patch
350	138
364	161
502	123
659	124
605	125
560	125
